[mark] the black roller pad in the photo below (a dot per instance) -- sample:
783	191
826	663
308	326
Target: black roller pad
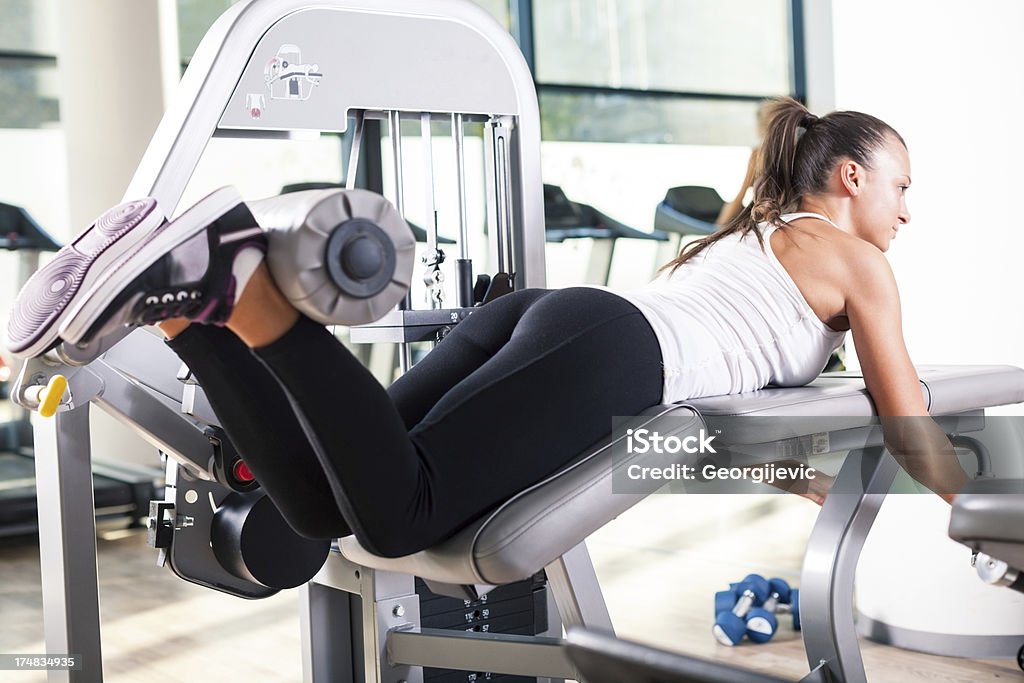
252	540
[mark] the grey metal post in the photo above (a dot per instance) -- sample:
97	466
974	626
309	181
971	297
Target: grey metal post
498	133
328	655
573	582
347	612
353	156
395	128
67	543
830	562
496	652
459	138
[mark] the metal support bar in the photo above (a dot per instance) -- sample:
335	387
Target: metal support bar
830	562
350	632
498	133
395	126
160	422
353	157
459	138
463	265
497	653
433	277
67	543
573	582
327	634
427	140
818	675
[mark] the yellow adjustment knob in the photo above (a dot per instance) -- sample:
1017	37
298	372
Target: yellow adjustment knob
50	397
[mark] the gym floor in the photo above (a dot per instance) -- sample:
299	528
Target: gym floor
659	564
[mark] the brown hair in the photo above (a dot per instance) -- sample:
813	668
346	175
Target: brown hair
796	158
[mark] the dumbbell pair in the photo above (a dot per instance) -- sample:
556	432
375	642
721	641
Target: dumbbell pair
749	608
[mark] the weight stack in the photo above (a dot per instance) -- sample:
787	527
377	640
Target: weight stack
517	608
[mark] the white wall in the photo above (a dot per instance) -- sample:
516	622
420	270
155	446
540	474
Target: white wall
118	63
945	73
37	182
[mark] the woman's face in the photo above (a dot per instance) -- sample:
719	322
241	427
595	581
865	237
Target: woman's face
880	208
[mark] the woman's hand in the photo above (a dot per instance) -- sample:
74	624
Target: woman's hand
813	490
923	450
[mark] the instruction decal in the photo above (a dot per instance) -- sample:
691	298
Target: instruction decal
286	78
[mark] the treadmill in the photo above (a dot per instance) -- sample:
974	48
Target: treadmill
689	210
565	219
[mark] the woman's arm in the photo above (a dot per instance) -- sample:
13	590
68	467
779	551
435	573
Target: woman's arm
917	443
732	208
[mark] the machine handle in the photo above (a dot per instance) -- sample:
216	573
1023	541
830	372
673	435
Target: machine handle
49	397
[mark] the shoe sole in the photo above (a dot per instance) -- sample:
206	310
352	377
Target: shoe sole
55	289
91	307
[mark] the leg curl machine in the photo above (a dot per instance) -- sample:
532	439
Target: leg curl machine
361	612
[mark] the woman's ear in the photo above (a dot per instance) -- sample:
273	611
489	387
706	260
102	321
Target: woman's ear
851	177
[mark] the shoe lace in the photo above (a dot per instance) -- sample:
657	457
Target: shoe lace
175	303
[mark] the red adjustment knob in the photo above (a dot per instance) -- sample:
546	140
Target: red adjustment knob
242	473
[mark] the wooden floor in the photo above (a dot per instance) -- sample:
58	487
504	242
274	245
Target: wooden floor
660	565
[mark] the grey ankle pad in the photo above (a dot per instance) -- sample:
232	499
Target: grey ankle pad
305	230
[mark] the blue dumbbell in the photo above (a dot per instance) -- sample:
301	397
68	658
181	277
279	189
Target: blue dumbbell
731	625
761	621
725	600
792	608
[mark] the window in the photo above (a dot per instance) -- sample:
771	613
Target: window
638	96
499	9
28	64
682	71
196	16
734	47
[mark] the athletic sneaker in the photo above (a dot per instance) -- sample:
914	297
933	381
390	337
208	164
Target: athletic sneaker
192	267
55	289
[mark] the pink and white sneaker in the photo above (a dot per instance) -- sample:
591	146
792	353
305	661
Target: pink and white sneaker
46	300
193	267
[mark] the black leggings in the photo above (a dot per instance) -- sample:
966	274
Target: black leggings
520	388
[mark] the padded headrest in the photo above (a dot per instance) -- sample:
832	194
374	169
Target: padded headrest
989	517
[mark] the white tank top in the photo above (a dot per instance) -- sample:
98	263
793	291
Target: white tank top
731	320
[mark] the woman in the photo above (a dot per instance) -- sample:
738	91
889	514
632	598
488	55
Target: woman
532	379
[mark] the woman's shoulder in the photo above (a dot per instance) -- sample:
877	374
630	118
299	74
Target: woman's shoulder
830	267
862	269
822	241
862	259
